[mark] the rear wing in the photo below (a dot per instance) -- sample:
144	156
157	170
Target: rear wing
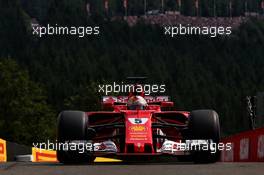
124	99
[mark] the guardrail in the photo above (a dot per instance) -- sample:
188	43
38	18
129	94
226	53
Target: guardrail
246	147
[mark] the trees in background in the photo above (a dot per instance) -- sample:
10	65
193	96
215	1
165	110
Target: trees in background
199	72
25	115
208	8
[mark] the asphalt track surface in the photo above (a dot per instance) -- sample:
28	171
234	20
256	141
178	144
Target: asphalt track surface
119	168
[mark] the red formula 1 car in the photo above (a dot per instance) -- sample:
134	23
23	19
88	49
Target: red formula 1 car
137	126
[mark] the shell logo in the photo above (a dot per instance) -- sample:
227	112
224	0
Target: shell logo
138	128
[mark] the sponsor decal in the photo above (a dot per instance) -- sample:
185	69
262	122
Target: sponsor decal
139	136
138	139
140	121
138	128
261	146
2	150
244	148
41	155
228	155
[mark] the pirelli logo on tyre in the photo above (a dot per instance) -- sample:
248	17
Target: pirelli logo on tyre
2	150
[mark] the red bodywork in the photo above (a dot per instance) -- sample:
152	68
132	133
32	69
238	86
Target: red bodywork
138	131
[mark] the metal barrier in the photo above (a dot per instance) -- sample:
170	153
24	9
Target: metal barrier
246	147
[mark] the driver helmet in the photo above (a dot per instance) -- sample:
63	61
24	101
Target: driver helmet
136	102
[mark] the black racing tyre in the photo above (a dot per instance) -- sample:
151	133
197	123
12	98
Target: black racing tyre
72	126
204	125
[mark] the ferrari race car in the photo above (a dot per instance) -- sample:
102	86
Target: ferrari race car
137	126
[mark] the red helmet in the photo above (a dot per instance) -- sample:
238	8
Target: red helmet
137	91
136	102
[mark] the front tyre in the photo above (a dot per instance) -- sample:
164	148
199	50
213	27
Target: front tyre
204	125
72	126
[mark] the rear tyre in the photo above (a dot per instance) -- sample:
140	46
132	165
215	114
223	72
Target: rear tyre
72	126
204	125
